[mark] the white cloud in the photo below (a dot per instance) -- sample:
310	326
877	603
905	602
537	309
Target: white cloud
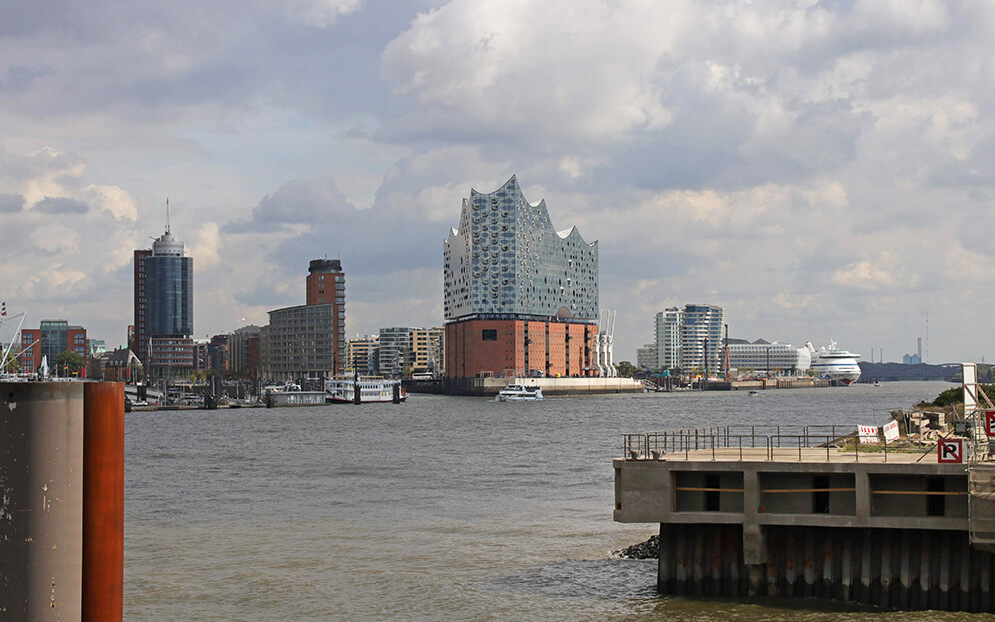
815	167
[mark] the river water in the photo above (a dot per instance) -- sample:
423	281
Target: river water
442	508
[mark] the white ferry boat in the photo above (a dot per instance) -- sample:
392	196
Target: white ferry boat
371	389
520	393
834	364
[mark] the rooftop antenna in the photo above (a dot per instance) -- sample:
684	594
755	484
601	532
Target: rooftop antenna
167	214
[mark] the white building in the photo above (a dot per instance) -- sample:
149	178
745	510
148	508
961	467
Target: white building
762	357
668	339
700	338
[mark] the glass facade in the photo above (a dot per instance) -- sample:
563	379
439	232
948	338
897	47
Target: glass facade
507	259
54	338
170	295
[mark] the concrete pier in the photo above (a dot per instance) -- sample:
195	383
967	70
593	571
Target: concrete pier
784	516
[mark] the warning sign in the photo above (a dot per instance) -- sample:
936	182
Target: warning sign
868	434
891	431
990	423
950	450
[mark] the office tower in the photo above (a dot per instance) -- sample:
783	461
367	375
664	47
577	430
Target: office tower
50	339
164	309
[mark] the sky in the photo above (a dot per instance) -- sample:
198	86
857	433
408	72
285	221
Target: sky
822	170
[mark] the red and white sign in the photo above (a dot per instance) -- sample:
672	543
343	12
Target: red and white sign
868	434
990	423
950	450
891	432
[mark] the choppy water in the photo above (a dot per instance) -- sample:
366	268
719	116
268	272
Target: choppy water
438	509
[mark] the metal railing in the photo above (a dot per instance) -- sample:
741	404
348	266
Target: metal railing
737	442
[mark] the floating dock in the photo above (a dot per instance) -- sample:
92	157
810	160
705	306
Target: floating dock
808	513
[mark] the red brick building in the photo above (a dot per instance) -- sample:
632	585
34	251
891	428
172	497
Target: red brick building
519	347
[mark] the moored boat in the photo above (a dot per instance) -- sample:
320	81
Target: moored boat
835	364
371	389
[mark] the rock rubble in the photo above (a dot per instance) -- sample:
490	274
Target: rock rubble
643	550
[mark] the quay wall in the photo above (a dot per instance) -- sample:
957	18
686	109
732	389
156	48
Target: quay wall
814	523
909	569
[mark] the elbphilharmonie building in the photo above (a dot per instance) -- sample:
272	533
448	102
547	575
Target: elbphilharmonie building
520	296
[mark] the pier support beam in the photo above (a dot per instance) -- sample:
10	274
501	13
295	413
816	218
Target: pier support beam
41	500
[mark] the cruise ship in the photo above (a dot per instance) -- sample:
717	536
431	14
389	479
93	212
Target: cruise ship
834	364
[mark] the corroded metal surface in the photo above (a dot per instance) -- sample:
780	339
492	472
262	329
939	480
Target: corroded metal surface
898	569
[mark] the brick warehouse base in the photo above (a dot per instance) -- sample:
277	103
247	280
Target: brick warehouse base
911	569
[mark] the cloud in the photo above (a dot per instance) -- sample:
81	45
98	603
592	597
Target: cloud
815	167
11	202
61	205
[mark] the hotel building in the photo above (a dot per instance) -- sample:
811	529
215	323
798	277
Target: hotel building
521	298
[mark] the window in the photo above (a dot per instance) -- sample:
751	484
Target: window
488	334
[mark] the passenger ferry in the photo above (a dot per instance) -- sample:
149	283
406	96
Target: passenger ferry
520	393
371	389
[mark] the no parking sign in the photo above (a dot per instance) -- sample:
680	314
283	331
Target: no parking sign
950	450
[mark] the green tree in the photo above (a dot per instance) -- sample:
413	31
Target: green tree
625	369
69	363
11	365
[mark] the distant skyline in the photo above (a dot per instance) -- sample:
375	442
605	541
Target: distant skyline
818	169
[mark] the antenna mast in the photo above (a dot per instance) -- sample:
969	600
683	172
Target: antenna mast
167	214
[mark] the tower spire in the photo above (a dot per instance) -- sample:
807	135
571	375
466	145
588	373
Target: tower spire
167	214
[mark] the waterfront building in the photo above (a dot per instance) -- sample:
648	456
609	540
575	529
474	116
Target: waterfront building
50	339
217	353
911	359
427	351
520	296
646	357
395	346
363	353
243	351
164	309
700	337
122	365
308	341
763	358
668	339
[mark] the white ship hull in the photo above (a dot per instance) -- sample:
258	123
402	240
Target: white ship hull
520	393
371	390
836	365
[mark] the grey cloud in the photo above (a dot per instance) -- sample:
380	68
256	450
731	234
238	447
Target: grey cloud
312	202
11	202
61	205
